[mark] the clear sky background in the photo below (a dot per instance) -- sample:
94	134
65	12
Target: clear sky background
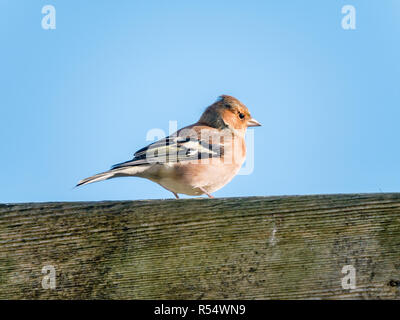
77	99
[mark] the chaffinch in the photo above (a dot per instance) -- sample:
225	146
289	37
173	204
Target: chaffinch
198	159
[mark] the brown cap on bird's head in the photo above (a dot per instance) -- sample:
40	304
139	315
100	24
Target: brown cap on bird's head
228	112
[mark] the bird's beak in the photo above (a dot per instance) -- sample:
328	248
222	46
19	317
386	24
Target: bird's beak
253	123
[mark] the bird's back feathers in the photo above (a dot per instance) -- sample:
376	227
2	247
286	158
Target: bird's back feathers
180	147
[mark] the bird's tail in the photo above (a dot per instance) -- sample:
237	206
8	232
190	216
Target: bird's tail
113	173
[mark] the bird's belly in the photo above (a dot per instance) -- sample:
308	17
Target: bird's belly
216	180
179	186
193	178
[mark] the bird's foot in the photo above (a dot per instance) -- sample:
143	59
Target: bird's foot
209	195
176	195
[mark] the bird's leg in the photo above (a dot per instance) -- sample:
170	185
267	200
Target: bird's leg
175	194
209	195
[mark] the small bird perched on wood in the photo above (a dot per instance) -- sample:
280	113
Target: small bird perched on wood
198	159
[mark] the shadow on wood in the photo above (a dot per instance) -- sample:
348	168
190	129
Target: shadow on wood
249	248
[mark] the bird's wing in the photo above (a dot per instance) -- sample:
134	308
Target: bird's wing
174	149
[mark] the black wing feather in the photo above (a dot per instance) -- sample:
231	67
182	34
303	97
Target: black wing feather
173	149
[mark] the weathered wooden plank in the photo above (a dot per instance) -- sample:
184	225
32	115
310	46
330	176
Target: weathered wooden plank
251	248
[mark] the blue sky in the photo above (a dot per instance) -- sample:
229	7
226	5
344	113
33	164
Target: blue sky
77	99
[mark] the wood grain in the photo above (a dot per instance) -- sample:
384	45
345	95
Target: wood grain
291	247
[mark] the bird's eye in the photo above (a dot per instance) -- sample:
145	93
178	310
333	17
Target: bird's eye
241	115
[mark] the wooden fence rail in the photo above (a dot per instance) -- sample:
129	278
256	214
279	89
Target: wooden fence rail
292	247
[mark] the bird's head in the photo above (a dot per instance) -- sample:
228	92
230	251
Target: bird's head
228	112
